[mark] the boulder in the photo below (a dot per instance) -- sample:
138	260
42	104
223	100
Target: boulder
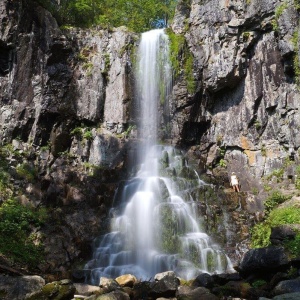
162	275
108	284
263	261
18	287
115	295
126	280
56	290
287	286
196	294
203	280
86	289
282	233
289	296
165	287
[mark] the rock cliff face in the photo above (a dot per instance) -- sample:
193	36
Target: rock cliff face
67	104
246	72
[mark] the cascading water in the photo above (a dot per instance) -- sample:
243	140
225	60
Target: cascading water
156	228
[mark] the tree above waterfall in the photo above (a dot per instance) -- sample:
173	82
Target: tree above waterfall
137	15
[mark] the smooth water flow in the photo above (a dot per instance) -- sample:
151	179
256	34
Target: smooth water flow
156	227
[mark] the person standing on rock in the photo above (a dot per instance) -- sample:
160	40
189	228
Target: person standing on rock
234	182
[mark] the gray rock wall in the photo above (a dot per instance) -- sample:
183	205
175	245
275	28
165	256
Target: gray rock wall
52	81
246	100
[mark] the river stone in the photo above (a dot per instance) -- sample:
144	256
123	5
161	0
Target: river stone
126	280
288	286
108	284
86	289
18	287
166	287
203	280
56	290
115	295
160	276
289	296
196	294
263	260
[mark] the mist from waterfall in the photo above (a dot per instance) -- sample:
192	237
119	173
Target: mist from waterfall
156	227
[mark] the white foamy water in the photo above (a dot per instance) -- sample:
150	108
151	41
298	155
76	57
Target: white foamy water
156	228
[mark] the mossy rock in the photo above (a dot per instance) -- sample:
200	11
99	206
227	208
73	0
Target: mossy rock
57	290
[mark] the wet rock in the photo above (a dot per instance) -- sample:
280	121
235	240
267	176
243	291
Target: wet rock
222	279
289	296
115	295
108	284
86	289
263	261
165	287
196	294
288	286
57	290
18	287
203	280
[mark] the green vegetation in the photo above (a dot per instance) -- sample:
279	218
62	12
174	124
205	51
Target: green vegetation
278	173
296	62
168	225
88	135
257	125
297	179
16	238
178	47
258	283
273	200
136	15
276	216
222	163
278	12
26	172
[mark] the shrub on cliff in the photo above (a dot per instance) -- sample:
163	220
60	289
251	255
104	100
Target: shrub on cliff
278	216
17	238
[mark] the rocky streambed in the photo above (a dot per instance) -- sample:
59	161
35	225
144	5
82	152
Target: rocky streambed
264	273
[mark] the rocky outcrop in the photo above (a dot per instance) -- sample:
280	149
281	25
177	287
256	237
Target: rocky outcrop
66	79
245	102
18	287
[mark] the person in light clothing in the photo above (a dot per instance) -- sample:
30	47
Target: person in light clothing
234	182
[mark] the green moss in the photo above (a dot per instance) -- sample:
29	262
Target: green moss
168	230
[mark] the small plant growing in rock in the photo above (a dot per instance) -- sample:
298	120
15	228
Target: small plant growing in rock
258	283
257	125
88	135
26	172
222	163
263	150
77	131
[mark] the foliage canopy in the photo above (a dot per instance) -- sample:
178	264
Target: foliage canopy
137	15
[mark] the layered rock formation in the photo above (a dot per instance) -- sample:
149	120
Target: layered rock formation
246	71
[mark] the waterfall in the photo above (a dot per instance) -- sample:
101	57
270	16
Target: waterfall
156	228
